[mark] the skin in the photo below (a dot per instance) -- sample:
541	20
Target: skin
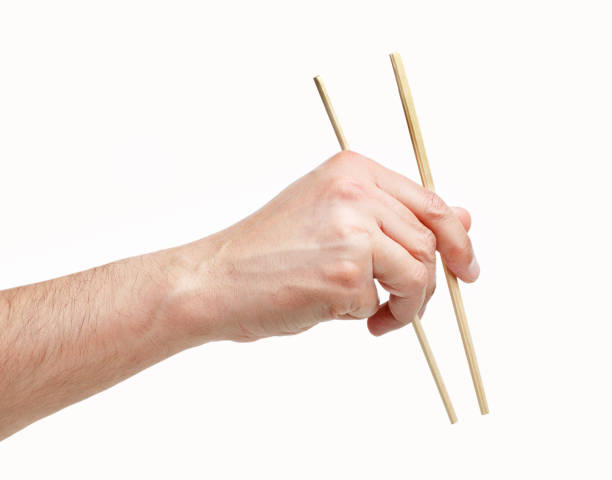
309	255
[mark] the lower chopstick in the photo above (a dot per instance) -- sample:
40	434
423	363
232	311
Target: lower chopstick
416	322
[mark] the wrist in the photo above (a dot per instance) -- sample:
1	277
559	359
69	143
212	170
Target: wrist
186	294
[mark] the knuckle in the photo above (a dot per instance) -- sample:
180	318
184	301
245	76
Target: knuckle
428	244
373	300
365	305
368	310
372	307
348	161
344	159
352	236
420	277
435	208
346	189
345	156
347	274
430	241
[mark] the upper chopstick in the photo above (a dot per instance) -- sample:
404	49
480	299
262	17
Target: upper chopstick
331	113
427	179
416	322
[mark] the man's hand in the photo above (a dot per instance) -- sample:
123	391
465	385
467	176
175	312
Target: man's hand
309	255
313	252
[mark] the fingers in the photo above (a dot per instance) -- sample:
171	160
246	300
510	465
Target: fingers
402	226
405	225
367	305
383	321
453	242
406	278
399	223
464	217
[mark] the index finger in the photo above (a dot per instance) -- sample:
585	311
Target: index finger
454	244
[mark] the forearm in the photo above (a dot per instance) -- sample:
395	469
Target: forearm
66	339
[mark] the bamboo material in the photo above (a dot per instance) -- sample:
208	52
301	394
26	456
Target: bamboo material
331	113
427	179
416	322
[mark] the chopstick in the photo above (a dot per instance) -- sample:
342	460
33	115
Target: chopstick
427	179
331	113
416	322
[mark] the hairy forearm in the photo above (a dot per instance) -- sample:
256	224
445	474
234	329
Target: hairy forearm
66	339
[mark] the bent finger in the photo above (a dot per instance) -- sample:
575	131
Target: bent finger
404	277
452	240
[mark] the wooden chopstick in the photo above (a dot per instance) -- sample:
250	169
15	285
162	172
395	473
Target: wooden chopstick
331	113
416	322
427	179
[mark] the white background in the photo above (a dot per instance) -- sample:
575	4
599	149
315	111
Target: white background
127	127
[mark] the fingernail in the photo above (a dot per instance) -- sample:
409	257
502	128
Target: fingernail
474	269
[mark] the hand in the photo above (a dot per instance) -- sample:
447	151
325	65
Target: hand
313	252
